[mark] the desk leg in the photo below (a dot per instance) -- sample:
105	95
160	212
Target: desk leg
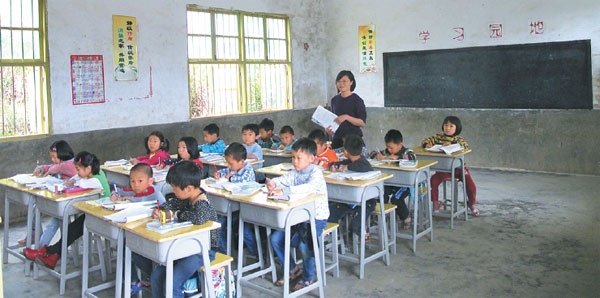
361	252
207	274
240	259
169	278
454	199
38	230
127	277
229	224
462	165
384	228
64	253
286	262
318	265
119	273
6	229
415	214
86	261
30	223
429	207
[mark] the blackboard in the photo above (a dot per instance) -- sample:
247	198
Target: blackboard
551	75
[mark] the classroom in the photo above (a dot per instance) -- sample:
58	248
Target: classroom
102	75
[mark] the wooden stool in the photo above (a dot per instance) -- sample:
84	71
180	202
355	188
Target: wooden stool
389	209
332	228
220	261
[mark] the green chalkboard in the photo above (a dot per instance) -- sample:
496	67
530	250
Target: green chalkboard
551	75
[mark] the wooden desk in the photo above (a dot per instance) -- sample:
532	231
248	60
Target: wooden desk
95	223
273	158
448	163
259	210
168	247
60	207
352	192
215	165
17	194
412	177
121	176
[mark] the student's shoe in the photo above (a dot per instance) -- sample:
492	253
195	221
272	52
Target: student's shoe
136	288
437	205
32	254
475	212
49	260
24	241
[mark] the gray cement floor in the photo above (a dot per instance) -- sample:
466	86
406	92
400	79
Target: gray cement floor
538	236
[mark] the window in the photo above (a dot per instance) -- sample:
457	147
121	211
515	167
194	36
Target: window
23	68
238	62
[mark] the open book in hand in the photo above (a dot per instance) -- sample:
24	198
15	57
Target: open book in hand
324	118
446	149
156	226
349	175
130	214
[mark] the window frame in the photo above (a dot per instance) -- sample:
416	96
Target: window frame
242	61
44	62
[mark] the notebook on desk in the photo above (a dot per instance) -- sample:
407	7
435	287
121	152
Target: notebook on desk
156	226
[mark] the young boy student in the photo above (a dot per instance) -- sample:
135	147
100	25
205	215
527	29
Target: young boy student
253	150
190	204
286	134
267	138
213	143
394	149
304	178
325	155
356	162
238	171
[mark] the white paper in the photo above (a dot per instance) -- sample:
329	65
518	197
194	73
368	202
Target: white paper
276	150
355	175
156	226
324	118
446	149
130	214
112	163
407	163
125	205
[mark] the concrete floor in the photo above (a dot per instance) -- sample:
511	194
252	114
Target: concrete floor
538	236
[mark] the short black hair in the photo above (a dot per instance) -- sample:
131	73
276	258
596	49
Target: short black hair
251	126
266	124
192	147
353	144
350	76
164	142
237	151
305	145
63	150
454	120
184	174
212	129
287	129
393	136
86	159
318	135
142	168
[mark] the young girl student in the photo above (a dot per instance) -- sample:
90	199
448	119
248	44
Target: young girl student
451	128
157	149
62	166
89	175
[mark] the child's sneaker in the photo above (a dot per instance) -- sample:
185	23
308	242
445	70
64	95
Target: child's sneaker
437	205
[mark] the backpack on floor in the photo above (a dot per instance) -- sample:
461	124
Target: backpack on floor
192	286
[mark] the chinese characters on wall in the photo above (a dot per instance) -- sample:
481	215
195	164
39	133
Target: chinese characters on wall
366	46
125	58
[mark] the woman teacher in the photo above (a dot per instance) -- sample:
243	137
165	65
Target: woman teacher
349	107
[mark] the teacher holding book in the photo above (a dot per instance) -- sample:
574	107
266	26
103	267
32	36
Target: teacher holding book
350	109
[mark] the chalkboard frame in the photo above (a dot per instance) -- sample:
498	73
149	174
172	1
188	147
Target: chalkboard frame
478	99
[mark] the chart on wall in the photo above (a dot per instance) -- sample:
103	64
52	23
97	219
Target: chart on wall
87	79
366	46
125	60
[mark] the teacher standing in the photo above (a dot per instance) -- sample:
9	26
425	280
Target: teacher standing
349	107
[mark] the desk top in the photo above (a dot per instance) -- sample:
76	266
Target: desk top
259	198
421	164
422	151
267	152
43	193
121	171
139	226
223	163
276	170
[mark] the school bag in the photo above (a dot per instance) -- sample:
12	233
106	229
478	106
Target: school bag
192	286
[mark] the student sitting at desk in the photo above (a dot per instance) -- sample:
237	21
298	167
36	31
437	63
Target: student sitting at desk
89	175
267	138
253	150
190	204
325	155
238	171
211	137
304	178
394	149
63	167
286	134
157	149
451	128
356	162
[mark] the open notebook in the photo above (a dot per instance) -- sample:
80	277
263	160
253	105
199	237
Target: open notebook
446	149
156	226
324	118
349	175
130	214
240	189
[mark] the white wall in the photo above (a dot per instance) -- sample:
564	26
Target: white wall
85	28
398	23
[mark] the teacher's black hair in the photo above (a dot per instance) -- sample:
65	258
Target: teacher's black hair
350	76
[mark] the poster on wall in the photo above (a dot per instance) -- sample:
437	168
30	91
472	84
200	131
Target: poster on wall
366	46
125	58
87	79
